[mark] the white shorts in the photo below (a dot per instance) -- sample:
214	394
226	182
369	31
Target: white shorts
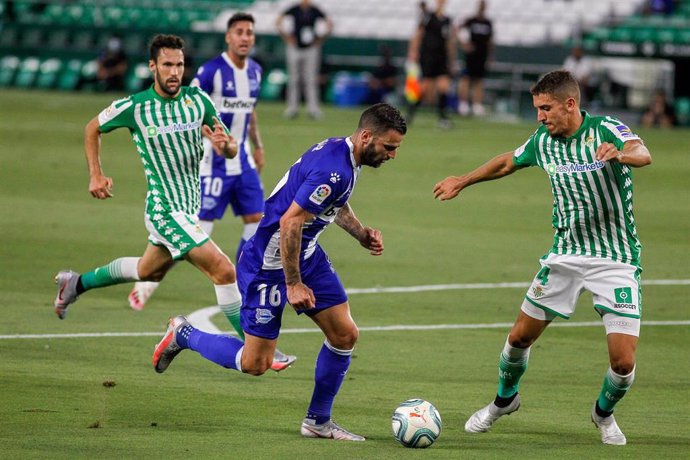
177	231
615	287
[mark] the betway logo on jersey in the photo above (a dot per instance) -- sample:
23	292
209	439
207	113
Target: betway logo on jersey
237	105
153	131
572	168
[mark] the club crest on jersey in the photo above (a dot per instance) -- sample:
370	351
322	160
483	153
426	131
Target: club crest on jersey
335	177
320	193
589	141
264	315
538	291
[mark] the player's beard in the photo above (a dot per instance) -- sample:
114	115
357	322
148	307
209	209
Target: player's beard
369	156
163	85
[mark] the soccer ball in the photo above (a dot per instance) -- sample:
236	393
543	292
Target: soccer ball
416	423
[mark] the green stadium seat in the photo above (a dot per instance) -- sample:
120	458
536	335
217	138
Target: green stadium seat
272	86
70	76
28	71
8	69
83	40
32	38
9	37
48	73
134	82
621	34
682	107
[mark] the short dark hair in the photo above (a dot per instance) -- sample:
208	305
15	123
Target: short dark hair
560	84
164	41
382	117
240	16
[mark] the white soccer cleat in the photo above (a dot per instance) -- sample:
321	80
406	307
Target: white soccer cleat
281	361
66	281
141	292
166	350
481	421
328	430
608	428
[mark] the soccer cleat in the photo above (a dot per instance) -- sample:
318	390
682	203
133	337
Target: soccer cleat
328	430
608	428
67	291
167	348
141	292
481	421
281	361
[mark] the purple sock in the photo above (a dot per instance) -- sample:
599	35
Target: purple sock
331	367
220	349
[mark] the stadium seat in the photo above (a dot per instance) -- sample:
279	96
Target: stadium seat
70	76
135	79
48	73
682	107
8	69
28	70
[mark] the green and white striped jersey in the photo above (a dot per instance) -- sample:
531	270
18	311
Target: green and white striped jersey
592	200
167	135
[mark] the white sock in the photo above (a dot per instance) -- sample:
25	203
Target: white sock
206	226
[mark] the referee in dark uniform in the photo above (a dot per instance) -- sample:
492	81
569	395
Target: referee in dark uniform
477	52
433	47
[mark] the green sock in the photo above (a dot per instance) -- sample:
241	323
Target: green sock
232	313
122	270
614	388
511	366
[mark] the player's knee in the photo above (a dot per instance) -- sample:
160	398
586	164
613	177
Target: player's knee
345	339
520	340
623	365
225	273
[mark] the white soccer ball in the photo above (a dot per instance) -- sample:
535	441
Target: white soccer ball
416	423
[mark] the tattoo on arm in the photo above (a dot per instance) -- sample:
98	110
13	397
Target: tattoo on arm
290	243
347	220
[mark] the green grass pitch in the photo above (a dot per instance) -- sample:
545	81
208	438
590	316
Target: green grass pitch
55	404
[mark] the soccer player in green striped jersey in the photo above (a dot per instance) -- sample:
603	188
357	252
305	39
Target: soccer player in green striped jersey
588	161
167	122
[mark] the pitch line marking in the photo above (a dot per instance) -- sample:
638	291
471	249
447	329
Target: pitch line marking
309	330
202	318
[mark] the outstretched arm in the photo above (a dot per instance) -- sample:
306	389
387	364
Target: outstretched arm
100	186
499	166
634	153
368	237
299	294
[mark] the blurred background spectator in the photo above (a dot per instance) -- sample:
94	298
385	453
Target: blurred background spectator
581	66
112	65
659	114
476	41
384	78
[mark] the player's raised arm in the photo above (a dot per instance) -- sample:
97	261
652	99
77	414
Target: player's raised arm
221	139
368	237
499	166
100	186
299	294
634	153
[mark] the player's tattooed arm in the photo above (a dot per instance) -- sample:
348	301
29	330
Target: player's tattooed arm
368	237
299	295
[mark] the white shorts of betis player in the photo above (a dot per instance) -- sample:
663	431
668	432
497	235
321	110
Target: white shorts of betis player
178	232
615	289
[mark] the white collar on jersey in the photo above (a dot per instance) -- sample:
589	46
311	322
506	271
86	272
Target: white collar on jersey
352	151
232	64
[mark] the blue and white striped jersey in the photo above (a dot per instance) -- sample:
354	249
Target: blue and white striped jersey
321	182
235	93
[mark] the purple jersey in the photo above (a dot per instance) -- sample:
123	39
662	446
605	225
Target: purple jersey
235	93
321	182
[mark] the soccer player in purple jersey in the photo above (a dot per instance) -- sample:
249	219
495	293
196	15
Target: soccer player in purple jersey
283	262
